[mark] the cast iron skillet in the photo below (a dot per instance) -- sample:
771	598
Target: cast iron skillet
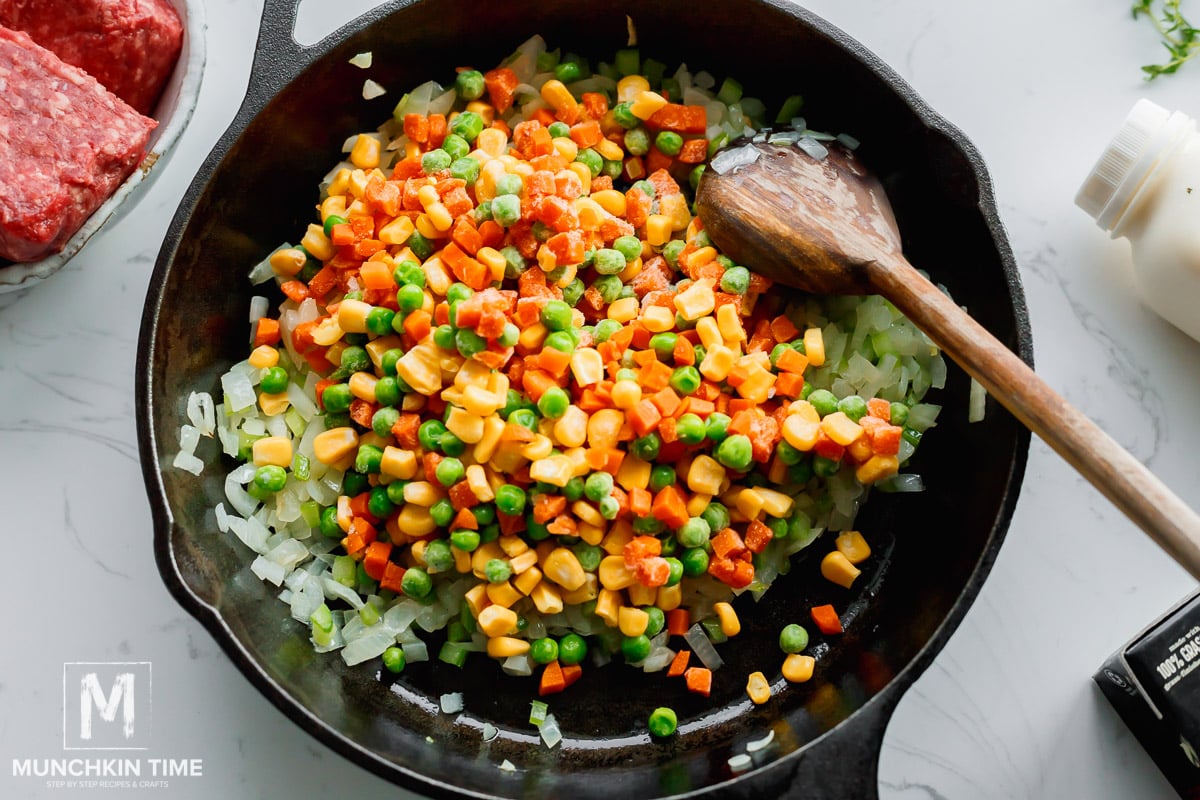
933	550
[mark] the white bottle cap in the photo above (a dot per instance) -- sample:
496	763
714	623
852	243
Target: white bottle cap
1128	160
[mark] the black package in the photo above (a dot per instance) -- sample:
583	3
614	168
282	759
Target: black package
1153	682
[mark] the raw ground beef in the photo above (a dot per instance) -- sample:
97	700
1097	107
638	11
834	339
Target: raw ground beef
66	143
130	46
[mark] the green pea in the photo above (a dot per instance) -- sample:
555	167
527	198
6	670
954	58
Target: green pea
409	298
429	433
605	328
468	125
824	401
469	84
629	246
354	483
793	638
393	660
556	315
695	175
657	621
416	583
853	407
409	273
690	429
383	420
694	533
716	427
599	485
646	447
450	471
355	359
668	143
736	280
899	414
671	251
571	649
465	169
592	160
442	512
685	380
367	459
455	146
509	184
637	141
609	508
465	540
663	345
553	403
573	491
543	650
451	445
589	556
509	335
825	467
635	648
506	209
568	72
800	472
274	380
443	337
675	575
379	321
559	129
469	342
388	361
395	492
609	261
379	504
329	524
695	562
534	530
717	516
524	417
510	499
435	161
788	454
662	476
662	722
623	115
497	570
484	513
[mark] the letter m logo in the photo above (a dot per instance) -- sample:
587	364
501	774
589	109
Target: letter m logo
106	706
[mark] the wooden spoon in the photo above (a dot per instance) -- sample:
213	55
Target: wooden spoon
825	226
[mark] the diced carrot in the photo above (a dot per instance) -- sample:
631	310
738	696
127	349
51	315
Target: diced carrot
640	501
694	151
500	84
743	573
361	411
643	417
294	290
536	382
393	574
562	525
678	621
679	118
701	408
416	128
466	236
758	536
437	131
880	409
728	544
789	385
571	672
828	448
491	233
376	275
679	663
548	506
826	619
353	544
668	430
654	377
595	104
791	361
602	183
267	332
405	430
699	680
462	496
418	324
639	548
657	160
886	440
359	526
376	559
430	462
586	133
552	679
653	571
464	519
670	506
783	329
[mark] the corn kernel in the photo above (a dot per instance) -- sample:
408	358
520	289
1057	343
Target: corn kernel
586	512
702	256
564	568
465	425
841	429
497	621
555	470
658	229
570	430
503	594
814	346
462	560
632	621
645	104
705	475
420	369
532	337
604	426
398	463
608	606
583	173
587	366
625	309
288	261
427	195
675	208
273	404
559	97
491	258
626	394
272	450
340	183
415	521
611	201
476	596
524	562
658	319
528	579
590	534
749	503
614	574
697	502
633	473
316	243
757	688
801	433
493	429
853	546
859	450
838	569
327	332
730	324
585	593
798	668
757	386
481	555
565	147
506	647
547	599
619	535
877	468
478	483
492	141
629	87
421	493
696	301
777	504
264	356
358	184
730	624
333	445
365	153
669	598
610	150
362	386
440	217
397	231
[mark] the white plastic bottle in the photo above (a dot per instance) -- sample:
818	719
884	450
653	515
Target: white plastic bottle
1146	188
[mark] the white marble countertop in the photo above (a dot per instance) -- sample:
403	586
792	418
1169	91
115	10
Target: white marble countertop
1007	710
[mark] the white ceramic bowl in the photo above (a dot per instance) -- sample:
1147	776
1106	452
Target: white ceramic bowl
173	112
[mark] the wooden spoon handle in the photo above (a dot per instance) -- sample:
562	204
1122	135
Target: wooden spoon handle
1113	470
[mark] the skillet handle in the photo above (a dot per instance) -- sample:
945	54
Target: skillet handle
277	56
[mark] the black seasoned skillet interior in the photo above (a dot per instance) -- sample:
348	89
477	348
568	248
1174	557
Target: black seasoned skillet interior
259	187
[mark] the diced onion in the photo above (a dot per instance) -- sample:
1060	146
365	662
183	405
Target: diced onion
550	732
507	766
451	703
186	461
976	402
200	412
269	571
811	146
740	763
489	732
371	90
415	652
369	645
362	60
703	648
733	157
759	744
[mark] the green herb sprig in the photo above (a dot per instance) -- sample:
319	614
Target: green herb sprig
1178	35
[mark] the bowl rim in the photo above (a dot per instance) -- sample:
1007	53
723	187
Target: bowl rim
25	274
